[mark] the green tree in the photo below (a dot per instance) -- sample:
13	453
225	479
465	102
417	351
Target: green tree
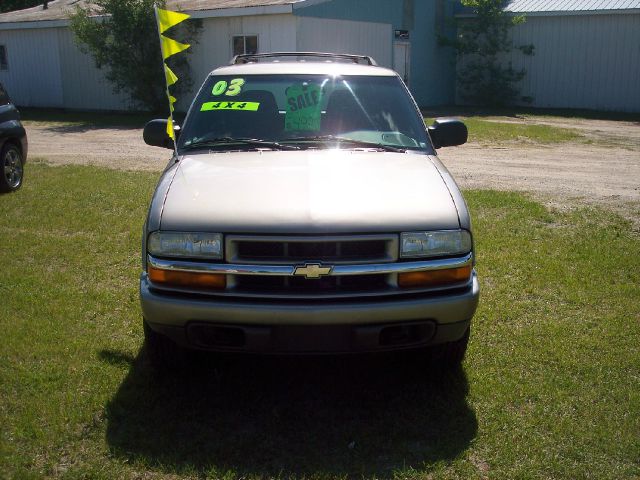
11	5
481	44
122	37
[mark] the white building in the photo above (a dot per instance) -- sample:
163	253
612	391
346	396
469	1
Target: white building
44	67
587	53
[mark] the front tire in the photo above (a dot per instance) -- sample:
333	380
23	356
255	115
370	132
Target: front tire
163	353
449	356
11	168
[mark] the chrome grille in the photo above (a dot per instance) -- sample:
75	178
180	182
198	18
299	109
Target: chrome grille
280	280
302	250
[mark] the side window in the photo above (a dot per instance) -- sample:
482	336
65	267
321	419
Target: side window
4	64
245	44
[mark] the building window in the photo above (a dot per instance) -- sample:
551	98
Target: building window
4	64
245	44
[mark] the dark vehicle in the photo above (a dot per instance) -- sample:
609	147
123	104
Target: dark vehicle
13	145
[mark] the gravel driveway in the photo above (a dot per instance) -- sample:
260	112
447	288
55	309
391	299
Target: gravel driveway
606	171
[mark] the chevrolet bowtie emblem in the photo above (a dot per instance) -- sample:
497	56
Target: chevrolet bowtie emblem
312	270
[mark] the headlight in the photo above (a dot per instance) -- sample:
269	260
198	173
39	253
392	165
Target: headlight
435	244
192	245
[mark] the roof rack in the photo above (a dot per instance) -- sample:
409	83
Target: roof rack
302	57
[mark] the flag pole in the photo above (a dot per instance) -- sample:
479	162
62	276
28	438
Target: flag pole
166	85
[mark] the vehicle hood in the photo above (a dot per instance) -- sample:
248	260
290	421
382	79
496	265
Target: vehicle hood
333	191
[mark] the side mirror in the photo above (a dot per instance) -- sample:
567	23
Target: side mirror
448	132
155	134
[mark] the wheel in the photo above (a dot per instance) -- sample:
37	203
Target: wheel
448	356
163	353
11	168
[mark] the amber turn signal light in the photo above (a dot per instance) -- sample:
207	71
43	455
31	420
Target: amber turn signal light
174	278
434	278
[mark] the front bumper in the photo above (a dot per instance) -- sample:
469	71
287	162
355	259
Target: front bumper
310	327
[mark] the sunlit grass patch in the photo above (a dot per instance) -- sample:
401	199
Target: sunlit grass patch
494	131
550	387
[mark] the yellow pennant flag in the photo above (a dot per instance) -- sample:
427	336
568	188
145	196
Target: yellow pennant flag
170	129
167	19
171	47
170	76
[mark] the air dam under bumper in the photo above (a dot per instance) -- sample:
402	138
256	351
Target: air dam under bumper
323	327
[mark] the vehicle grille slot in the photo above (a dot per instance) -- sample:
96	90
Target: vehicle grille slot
301	285
370	249
299	251
260	250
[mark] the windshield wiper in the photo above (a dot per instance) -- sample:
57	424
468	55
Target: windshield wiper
335	138
254	142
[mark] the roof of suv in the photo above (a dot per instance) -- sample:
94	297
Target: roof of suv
304	67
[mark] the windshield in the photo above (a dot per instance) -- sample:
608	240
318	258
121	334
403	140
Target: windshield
308	111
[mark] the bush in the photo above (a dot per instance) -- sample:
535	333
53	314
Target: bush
481	43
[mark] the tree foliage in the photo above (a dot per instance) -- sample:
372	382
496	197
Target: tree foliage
122	37
11	5
482	43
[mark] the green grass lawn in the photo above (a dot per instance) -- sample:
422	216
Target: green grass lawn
550	387
485	131
494	131
530	112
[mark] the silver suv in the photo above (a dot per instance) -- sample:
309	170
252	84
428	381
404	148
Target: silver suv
305	211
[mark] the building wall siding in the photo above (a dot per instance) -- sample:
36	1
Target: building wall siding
581	61
33	77
46	68
345	36
275	33
84	86
432	80
387	11
433	66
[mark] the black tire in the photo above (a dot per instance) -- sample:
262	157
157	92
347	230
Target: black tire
162	353
448	356
11	168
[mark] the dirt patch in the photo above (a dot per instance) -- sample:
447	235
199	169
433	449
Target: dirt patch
563	175
584	173
118	148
